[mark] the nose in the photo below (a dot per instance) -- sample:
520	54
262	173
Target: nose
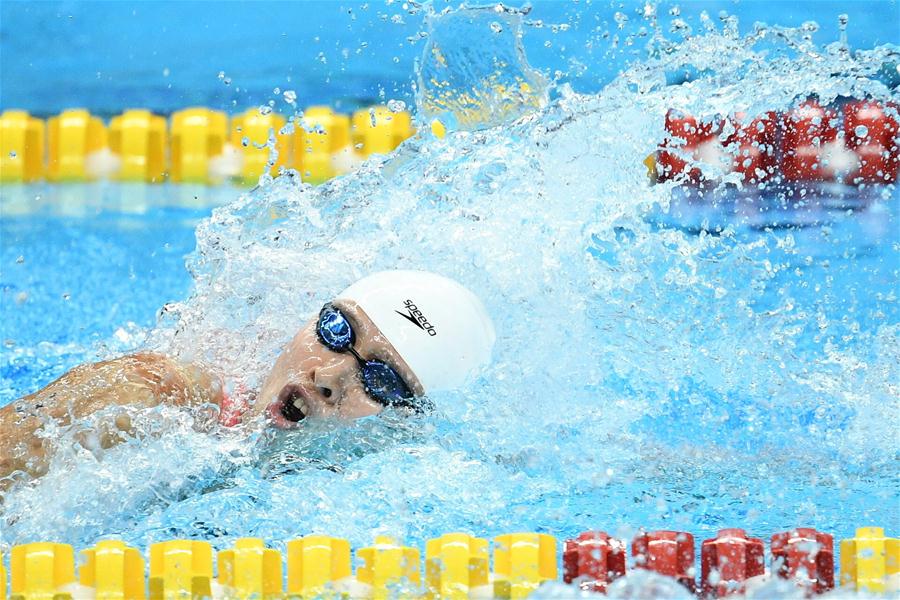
333	379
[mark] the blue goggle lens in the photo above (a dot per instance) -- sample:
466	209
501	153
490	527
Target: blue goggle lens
334	330
384	384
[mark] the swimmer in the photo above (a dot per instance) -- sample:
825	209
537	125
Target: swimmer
385	341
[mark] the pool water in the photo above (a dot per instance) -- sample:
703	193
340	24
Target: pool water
89	282
661	362
88	266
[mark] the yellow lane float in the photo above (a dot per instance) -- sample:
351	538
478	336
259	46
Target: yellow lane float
21	147
322	148
456	567
114	571
870	562
318	565
180	569
255	135
197	146
77	148
138	139
198	153
378	130
388	570
42	570
250	570
522	562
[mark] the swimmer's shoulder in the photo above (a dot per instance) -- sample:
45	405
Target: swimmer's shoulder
141	379
183	382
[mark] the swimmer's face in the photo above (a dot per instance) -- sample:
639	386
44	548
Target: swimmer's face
310	380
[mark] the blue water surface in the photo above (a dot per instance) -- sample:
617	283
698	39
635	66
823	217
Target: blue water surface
109	56
79	263
76	286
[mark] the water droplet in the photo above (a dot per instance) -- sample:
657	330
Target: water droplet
265	109
245	141
810	26
680	25
396	106
20	260
66	296
496	27
12	154
290	96
861	131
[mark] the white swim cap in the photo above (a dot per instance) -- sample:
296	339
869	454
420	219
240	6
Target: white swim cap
438	327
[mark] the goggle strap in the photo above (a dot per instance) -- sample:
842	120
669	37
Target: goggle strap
362	362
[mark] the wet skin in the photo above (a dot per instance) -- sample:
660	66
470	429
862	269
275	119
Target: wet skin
138	380
309	380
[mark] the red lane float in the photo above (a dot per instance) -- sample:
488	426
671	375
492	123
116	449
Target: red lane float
687	139
754	143
733	562
856	143
808	133
806	556
872	134
593	560
728	561
669	553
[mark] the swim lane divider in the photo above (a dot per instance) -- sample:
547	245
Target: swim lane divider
196	145
853	142
457	565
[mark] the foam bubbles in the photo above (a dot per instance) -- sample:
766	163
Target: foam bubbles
646	585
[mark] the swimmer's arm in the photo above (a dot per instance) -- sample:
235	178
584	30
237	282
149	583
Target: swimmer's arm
138	380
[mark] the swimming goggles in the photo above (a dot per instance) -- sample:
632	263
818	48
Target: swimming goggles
381	382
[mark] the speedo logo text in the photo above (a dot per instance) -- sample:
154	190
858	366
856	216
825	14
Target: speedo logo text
415	316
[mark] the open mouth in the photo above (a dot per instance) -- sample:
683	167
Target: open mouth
293	403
